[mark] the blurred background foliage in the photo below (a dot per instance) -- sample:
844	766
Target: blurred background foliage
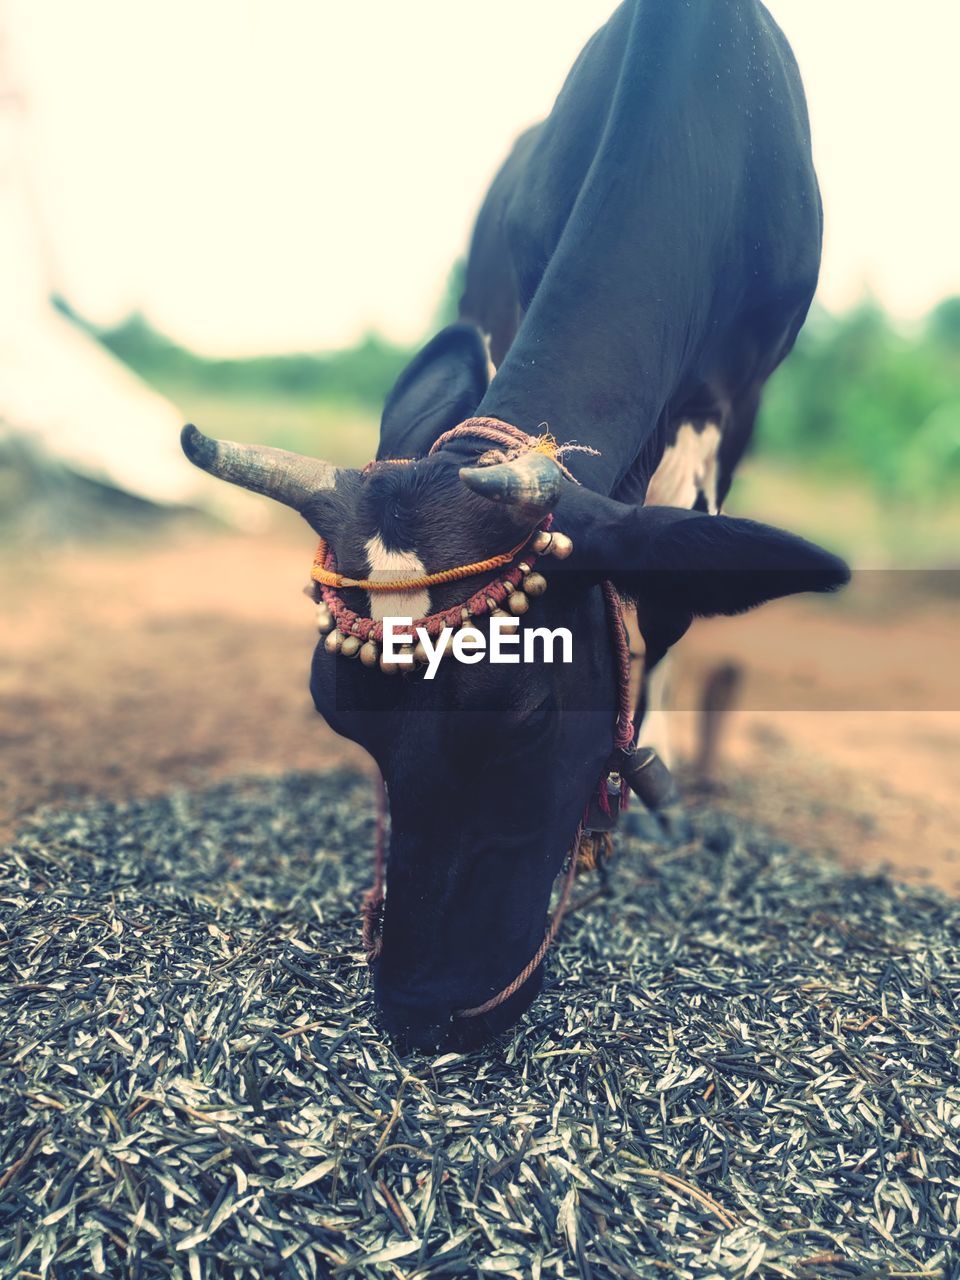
863	398
859	431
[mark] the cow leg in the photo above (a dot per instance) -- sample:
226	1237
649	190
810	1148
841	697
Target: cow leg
687	476
652	710
664	816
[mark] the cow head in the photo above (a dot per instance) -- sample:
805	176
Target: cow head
489	767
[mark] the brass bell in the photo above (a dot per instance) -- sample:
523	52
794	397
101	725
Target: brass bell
534	584
333	641
465	618
407	658
420	654
350	647
324	619
370	654
388	668
541	542
561	546
502	613
518	602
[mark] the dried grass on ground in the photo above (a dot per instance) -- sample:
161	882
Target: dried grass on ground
745	1064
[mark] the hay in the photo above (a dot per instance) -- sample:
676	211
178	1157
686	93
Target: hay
746	1064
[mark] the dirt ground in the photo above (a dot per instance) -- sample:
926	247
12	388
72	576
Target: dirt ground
183	658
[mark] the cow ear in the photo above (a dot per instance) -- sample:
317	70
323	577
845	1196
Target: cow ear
442	385
687	562
678	565
701	565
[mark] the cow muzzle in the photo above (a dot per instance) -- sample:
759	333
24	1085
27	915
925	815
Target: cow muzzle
429	1025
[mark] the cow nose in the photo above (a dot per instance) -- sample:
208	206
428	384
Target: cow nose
415	1024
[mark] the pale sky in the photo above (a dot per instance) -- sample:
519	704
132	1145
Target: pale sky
286	174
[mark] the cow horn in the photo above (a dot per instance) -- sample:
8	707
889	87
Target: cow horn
529	484
287	477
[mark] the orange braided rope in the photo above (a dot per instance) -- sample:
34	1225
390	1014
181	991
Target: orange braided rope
330	578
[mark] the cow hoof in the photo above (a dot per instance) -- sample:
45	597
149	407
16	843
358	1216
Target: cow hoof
642	824
717	834
675	824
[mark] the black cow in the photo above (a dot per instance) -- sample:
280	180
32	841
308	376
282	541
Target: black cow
642	263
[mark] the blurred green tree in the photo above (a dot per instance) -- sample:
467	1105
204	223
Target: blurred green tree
862	398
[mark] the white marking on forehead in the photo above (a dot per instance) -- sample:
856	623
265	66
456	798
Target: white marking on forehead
395	604
687	468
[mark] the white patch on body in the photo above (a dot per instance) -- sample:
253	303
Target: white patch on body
491	367
688	468
655	730
395	604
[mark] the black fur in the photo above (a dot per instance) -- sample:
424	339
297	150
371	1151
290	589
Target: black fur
441	386
646	254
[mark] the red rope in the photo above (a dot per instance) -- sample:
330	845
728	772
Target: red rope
624	731
537	958
492	429
371	909
512	441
